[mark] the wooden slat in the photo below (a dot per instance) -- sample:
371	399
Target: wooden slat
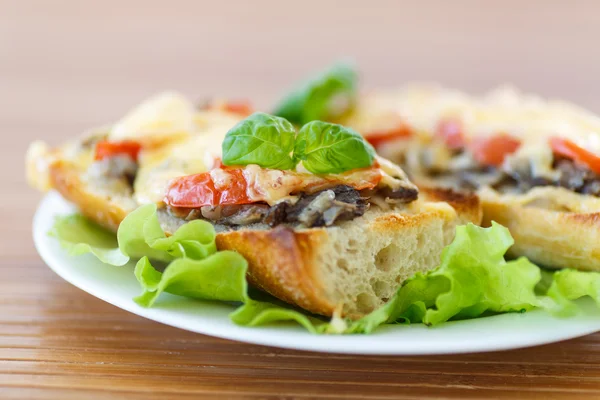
65	66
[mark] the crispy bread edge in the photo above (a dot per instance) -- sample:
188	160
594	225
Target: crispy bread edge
284	263
467	205
554	239
65	178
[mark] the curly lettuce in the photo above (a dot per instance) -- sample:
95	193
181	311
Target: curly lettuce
568	285
139	235
78	235
473	279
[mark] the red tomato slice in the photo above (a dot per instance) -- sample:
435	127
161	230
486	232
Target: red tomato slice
379	137
569	149
107	149
199	190
492	150
241	107
450	130
231	186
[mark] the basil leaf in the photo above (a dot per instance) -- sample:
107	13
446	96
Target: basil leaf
326	148
322	97
261	139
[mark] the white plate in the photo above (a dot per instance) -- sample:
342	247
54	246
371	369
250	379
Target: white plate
117	285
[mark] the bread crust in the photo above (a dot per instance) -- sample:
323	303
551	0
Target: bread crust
65	177
552	226
565	233
283	263
467	205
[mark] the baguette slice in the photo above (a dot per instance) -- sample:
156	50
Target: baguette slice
351	268
107	201
552	226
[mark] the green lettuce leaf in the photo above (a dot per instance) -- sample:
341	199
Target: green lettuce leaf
139	235
573	284
480	279
570	284
473	280
78	235
221	276
257	313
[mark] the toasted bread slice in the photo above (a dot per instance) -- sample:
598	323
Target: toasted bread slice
352	268
65	170
552	226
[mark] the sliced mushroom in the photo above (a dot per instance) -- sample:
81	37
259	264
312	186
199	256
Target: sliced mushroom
276	214
114	167
247	215
401	194
212	213
315	209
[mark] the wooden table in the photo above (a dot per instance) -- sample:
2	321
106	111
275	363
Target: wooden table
66	65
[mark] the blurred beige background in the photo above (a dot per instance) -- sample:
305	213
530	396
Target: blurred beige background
70	63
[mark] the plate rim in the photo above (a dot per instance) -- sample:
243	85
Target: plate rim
46	248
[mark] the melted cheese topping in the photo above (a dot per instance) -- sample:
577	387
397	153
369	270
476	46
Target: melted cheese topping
392	176
272	186
540	156
505	110
159	118
420	105
531	119
187	156
157	167
221	179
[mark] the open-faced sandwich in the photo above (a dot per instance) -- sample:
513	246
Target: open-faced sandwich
324	223
209	198
535	163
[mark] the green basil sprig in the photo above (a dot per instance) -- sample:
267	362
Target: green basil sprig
271	142
315	99
326	148
261	139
